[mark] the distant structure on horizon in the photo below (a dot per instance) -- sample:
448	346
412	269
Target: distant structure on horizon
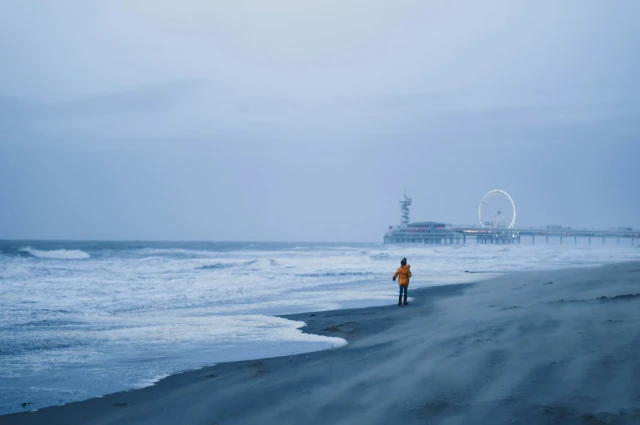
497	217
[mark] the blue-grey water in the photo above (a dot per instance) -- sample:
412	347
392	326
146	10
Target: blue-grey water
83	319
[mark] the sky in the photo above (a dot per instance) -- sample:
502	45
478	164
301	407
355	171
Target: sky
295	120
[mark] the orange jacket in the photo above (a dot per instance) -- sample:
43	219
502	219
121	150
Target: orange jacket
404	274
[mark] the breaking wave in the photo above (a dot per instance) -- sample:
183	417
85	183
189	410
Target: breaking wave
57	254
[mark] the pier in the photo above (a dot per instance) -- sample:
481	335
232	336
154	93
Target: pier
436	233
440	234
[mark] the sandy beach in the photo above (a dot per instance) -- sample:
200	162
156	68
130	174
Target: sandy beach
552	347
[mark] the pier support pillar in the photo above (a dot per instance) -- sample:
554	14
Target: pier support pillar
560	240
618	240
575	240
589	240
464	238
533	240
603	240
547	239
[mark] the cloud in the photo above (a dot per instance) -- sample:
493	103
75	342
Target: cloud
229	112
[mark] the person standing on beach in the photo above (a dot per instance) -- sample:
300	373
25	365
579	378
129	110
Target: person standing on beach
403	274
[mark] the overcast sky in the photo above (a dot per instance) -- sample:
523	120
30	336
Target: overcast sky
305	120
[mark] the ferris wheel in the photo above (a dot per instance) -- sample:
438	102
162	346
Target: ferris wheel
497	210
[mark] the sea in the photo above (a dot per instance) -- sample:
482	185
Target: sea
83	319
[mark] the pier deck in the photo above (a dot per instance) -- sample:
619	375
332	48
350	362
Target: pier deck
464	234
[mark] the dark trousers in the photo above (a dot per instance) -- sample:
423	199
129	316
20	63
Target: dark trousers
403	290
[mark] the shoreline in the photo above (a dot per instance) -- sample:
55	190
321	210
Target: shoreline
446	327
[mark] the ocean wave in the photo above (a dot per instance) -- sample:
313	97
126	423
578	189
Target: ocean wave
381	256
57	254
335	274
216	266
12	347
262	262
255	262
171	253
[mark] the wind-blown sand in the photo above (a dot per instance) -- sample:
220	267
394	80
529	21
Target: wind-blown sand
534	348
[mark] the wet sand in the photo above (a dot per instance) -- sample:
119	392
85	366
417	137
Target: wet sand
559	347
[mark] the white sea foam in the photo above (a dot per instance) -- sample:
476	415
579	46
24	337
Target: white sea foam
149	382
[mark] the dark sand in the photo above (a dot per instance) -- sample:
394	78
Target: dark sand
531	348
